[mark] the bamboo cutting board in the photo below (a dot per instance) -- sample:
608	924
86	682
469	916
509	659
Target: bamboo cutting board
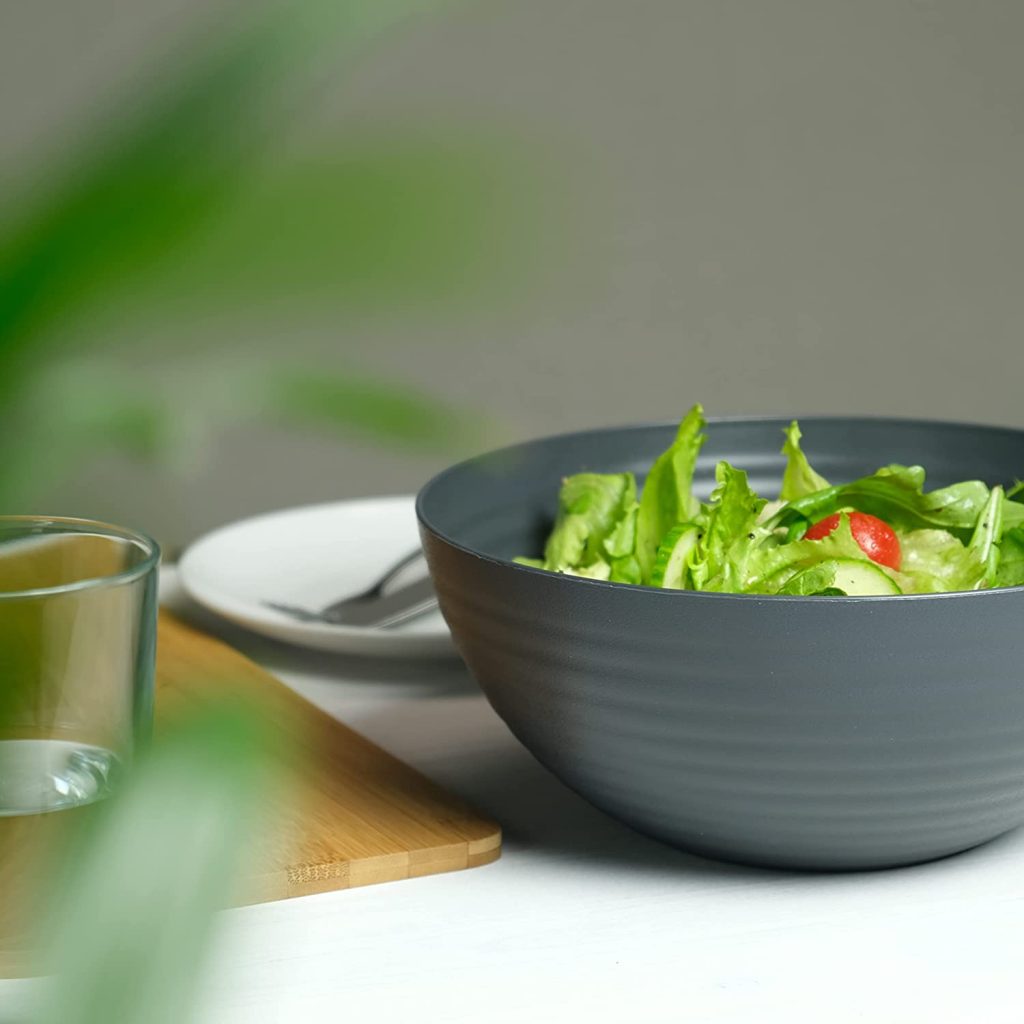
356	815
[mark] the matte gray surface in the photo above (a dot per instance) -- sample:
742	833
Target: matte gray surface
838	733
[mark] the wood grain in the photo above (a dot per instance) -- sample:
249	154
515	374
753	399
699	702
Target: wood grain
345	813
354	815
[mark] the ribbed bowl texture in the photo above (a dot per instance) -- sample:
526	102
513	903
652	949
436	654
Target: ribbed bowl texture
819	733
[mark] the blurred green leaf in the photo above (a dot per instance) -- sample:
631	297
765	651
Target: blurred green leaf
126	199
175	207
367	406
88	406
184	208
70	414
389	221
133	922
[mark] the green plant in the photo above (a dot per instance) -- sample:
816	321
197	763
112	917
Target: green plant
181	208
177	208
127	929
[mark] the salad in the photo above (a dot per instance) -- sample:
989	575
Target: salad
882	534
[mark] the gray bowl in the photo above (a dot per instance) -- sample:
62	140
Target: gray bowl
837	733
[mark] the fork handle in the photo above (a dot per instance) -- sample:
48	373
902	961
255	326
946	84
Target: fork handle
412	558
375	592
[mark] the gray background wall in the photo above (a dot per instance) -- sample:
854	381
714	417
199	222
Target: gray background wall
780	205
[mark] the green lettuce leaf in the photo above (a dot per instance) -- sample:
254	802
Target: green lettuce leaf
599	570
1010	572
731	533
591	511
621	542
896	494
936	562
933	561
667	496
625	570
984	545
799	479
533	563
770	567
817	580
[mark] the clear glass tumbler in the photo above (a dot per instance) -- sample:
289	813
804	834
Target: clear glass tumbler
78	609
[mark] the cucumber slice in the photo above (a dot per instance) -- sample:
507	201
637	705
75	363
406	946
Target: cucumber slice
670	568
850	575
859	579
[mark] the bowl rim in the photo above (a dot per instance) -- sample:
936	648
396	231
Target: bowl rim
670	594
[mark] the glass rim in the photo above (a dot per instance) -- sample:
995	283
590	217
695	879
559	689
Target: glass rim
74	525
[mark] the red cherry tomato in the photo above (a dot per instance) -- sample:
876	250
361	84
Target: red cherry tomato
873	536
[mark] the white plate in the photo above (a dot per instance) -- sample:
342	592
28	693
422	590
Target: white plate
310	557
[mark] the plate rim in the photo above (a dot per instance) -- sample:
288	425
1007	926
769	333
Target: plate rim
276	624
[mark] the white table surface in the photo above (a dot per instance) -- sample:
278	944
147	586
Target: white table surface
584	919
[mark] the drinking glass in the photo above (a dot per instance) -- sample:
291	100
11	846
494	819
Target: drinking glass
78	610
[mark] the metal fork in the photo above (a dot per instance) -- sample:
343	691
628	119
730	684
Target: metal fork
377	606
